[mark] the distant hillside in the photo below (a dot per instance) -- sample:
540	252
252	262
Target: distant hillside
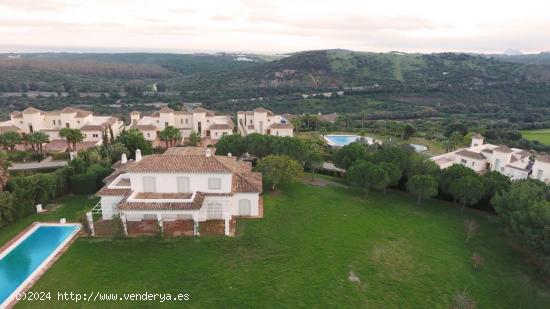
340	68
541	58
180	63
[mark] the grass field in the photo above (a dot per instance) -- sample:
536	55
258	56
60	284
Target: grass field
301	255
541	135
70	207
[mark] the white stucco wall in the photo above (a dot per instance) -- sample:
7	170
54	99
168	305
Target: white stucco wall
167	182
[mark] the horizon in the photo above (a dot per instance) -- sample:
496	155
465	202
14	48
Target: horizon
273	27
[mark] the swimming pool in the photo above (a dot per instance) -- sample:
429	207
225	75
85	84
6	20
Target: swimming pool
21	261
418	147
343	140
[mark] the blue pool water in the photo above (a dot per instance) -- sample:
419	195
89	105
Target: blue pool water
27	256
343	140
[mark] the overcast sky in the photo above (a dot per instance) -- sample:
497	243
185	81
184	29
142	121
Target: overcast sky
274	26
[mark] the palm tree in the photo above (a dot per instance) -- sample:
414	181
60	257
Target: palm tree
9	139
194	138
37	140
170	136
72	136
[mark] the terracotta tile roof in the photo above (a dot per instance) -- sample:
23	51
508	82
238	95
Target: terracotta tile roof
263	110
166	110
52	113
188	151
478	136
68	110
80	113
135	113
144	127
194	205
220	126
203	110
182	113
327	117
249	182
124	182
105	191
8	128
487	150
159	195
471	154
31	110
155	114
16	114
282	126
503	148
178	163
92	127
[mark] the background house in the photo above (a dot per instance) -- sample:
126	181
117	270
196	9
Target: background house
264	122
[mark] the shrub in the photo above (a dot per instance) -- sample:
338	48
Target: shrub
85	224
118	227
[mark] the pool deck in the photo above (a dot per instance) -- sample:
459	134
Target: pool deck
41	270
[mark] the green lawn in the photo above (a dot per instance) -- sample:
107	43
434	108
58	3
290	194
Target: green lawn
301	254
541	135
70	207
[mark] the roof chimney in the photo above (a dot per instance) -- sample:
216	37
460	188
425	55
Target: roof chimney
123	159
229	154
208	153
138	155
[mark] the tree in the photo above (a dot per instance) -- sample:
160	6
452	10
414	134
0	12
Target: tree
233	144
525	209
292	147
278	170
449	175
72	136
422	186
170	136
133	139
259	145
194	138
9	139
367	176
393	172
348	154
8	203
468	190
37	140
494	182
408	131
161	87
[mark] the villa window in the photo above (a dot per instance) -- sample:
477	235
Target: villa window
149	184
95	135
148	134
497	164
214	183
165	124
244	207
186	121
183	184
224	133
214	211
463	161
473	163
54	122
158	121
181	121
78	121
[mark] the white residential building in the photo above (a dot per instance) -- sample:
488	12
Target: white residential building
50	122
512	162
200	120
181	188
264	122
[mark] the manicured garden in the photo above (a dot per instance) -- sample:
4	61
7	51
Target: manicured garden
316	246
541	135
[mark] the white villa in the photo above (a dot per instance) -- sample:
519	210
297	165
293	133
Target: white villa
200	120
264	122
180	190
50	122
512	162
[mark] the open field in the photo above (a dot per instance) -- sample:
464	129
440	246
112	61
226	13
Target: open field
541	135
303	254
